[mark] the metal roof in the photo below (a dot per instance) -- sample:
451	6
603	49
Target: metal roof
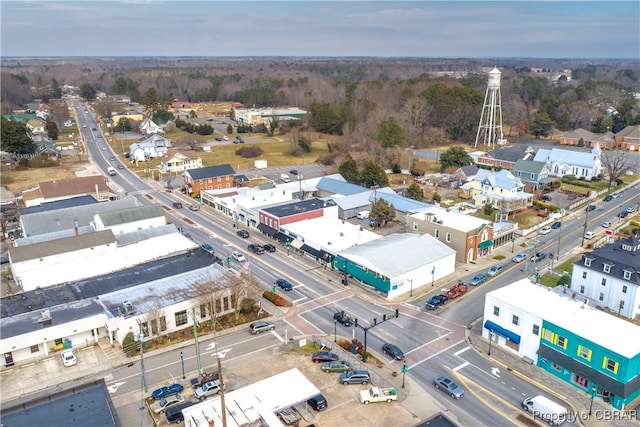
210	172
137	213
66	244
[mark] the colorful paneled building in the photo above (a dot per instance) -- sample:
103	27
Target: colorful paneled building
596	352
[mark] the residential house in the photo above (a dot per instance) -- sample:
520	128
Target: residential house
583	165
466	173
534	175
44	145
208	178
179	161
589	139
502	190
148	127
180	102
470	237
149	147
593	351
19	117
629	138
49	191
37	126
610	277
505	157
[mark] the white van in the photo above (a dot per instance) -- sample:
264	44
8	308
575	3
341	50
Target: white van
363	215
545	409
111	171
284	177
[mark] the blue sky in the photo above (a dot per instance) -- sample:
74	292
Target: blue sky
537	29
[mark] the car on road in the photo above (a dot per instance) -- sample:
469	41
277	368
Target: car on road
393	351
269	247
68	358
261	326
336	366
436	301
520	257
546	198
590	208
207	247
631	209
449	387
608	198
293	172
225	138
167	391
194	208
218	138
478	279
342	318
99	136
165	403
120	166
104	148
556	225
355	377
94	129
589	235
323	356
284	284
494	271
615	195
623	214
538	256
177	205
256	248
238	256
243	233
545	230
112	159
606	224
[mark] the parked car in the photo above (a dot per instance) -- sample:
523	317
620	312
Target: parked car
207	389
615	195
174	414
494	271
449	387
606	224
225	138
194	208
393	351
342	318
336	366
284	284
68	358
269	247
243	233
623	214
608	198
631	209
177	205
238	256
218	138
167	391
573	196
436	301
318	402
538	256
207	247
355	377
556	225
256	248
545	230
323	356
167	402
590	208
520	257
546	198
478	279
293	172
589	235
261	326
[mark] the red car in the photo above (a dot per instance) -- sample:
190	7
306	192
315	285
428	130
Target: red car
323	356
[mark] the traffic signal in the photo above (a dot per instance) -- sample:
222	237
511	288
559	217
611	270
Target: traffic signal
397	313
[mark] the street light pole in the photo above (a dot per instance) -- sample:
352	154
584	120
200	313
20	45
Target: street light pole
584	231
490	339
182	362
433	275
335	330
411	292
404	371
593	391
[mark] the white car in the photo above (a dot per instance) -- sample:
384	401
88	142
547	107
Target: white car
68	358
238	256
545	230
589	235
225	138
606	224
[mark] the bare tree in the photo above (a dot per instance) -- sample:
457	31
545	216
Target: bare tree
239	287
617	163
153	319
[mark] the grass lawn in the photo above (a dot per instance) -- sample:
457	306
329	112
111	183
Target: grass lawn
551	280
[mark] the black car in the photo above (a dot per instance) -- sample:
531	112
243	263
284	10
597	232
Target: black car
539	256
293	172
393	351
608	198
243	233
256	248
218	138
284	284
556	225
177	205
269	247
546	198
590	208
323	356
318	403
623	214
342	318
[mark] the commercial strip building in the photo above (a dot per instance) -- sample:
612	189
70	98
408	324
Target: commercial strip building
594	351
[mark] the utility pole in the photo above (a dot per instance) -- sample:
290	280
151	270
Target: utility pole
375	323
584	231
141	336
559	237
195	335
223	410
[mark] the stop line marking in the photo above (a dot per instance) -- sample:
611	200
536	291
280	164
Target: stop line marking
457	368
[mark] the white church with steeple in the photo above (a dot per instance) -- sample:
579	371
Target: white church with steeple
585	165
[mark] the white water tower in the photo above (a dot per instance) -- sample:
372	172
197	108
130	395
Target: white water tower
490	128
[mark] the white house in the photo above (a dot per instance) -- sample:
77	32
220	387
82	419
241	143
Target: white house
150	147
501	189
567	162
148	127
179	161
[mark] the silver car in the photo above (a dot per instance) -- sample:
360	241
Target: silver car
449	387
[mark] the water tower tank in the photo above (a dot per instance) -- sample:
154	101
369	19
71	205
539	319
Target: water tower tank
494	79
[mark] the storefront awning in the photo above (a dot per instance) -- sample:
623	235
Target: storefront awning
269	231
297	243
486	244
514	338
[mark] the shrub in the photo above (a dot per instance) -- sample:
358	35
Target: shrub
249	152
326	160
247	305
276	299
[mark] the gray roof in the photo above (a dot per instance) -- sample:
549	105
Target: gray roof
511	153
60	204
400	203
397	254
621	255
337	186
500	179
296	207
211	172
67	244
567	157
137	213
65	219
469	170
353	201
529	166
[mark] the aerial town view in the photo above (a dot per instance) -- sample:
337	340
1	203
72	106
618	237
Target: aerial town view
320	213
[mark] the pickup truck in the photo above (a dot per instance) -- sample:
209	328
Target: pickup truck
378	394
203	379
436	301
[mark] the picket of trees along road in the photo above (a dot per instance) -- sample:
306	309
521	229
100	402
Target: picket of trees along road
394	103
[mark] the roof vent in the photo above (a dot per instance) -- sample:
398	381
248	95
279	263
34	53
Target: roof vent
46	314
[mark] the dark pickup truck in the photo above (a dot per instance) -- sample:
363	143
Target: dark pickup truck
203	379
436	301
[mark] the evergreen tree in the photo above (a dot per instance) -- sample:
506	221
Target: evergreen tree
373	174
415	192
16	138
349	170
454	156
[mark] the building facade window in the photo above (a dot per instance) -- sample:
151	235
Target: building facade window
582	289
547	335
561	342
163	323
35	348
496	311
584	352
181	318
587	262
607	268
58	341
448	237
437	234
556	367
580	380
601	296
535	330
604	281
203	311
610	365
515	320
627	275
584	274
624	289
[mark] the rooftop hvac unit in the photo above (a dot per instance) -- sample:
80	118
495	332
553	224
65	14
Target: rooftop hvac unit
127	308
